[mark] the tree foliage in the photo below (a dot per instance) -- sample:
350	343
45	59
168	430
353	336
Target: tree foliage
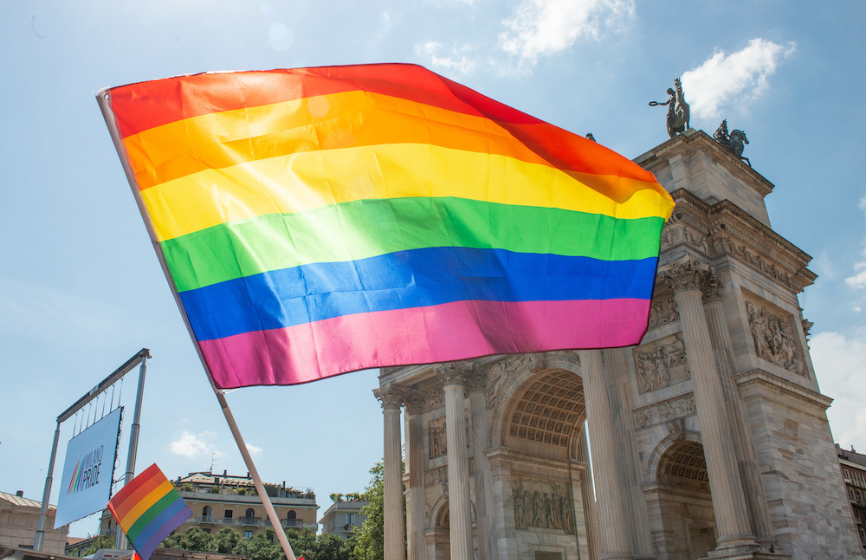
371	535
99	543
263	545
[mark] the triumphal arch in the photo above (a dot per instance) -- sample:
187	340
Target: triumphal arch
709	439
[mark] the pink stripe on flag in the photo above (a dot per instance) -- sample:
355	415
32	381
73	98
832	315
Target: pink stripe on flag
419	335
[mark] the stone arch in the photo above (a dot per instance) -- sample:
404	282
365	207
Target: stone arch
510	376
544	413
663	446
679	502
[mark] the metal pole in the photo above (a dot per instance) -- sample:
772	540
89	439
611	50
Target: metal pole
39	539
121	542
260	488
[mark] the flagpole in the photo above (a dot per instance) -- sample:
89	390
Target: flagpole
103	98
260	488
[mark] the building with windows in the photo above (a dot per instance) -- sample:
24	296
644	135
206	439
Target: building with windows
343	518
853	467
19	517
225	500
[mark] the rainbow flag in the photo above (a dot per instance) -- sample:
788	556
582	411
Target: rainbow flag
148	509
317	221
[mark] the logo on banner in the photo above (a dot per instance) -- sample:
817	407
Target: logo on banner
86	472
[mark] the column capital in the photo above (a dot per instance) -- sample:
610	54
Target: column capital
390	396
475	381
713	287
414	401
684	274
454	373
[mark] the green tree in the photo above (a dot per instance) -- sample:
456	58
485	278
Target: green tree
371	535
99	543
226	541
193	539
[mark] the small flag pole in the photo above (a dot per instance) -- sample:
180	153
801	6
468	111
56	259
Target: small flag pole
103	98
260	488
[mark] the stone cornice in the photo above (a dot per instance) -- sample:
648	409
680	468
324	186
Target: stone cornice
507	454
767	380
724	228
693	141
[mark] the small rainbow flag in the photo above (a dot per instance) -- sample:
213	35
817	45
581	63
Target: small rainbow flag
317	221
148	509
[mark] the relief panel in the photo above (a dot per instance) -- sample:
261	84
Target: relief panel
661	363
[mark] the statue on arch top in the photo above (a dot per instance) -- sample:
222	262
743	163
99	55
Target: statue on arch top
733	142
678	110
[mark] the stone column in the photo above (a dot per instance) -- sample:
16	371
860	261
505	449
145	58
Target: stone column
589	514
392	399
415	506
476	384
685	278
739	423
459	505
605	468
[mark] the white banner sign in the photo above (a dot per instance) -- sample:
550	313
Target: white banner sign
85	487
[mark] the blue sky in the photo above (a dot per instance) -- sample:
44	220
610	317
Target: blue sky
81	289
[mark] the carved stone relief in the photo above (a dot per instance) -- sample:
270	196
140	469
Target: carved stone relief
439	475
432	399
774	338
663	311
499	372
661	363
665	411
438	442
725	244
545	505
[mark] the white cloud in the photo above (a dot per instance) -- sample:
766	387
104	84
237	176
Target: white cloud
254	449
545	27
863	204
858	281
459	62
840	363
191	446
737	77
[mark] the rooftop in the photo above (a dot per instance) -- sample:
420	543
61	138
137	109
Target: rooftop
851	455
19	500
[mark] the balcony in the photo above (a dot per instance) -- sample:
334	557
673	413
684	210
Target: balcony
206	519
292	522
256	521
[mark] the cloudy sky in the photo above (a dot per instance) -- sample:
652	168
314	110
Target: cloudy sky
80	286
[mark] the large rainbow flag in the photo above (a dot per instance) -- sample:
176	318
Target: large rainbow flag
148	509
317	221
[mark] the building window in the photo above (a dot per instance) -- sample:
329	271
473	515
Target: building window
206	513
248	534
350	519
229	514
250	514
847	474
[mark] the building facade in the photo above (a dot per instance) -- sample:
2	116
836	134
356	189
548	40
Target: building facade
853	466
19	517
343	518
709	438
219	501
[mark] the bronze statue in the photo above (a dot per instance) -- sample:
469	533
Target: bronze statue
590	136
733	142
678	110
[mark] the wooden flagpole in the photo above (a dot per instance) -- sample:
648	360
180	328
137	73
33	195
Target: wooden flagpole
103	98
260	488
